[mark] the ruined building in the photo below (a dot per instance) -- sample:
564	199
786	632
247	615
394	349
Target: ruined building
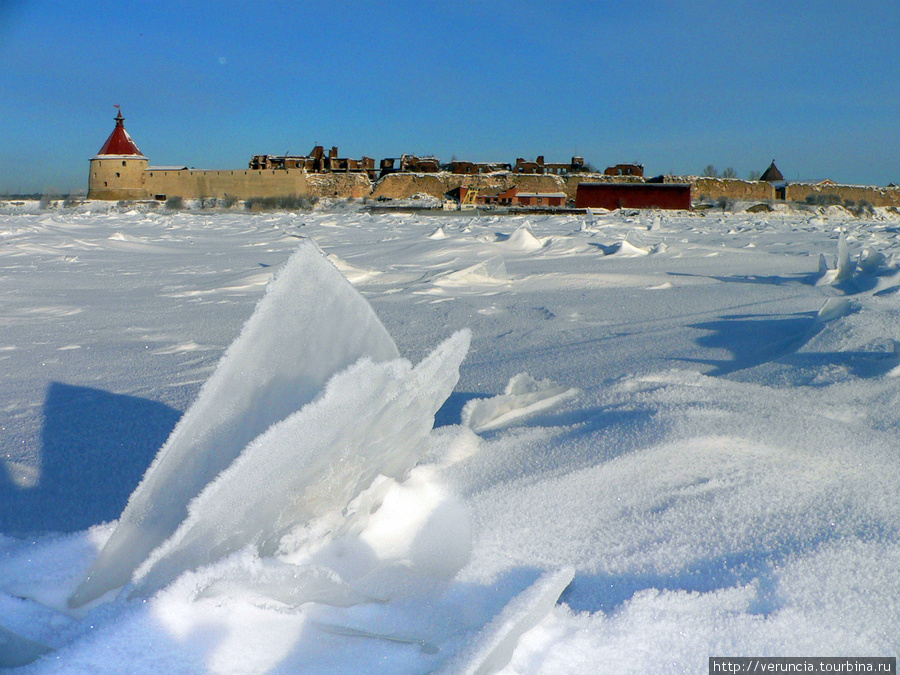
539	166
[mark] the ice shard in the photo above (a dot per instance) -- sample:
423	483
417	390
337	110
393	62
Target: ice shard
16	650
310	324
493	648
372	419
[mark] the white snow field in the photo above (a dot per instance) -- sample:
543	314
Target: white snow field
614	443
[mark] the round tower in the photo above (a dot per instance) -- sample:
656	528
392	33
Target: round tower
117	171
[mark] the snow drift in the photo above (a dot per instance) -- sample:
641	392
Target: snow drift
724	482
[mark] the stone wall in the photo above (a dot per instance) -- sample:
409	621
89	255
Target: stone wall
355	185
403	185
240	184
889	196
126	178
729	188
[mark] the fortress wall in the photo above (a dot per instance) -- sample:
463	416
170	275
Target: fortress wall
729	188
403	185
113	180
242	184
355	185
876	196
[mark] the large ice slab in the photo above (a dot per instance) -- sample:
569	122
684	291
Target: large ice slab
310	324
372	419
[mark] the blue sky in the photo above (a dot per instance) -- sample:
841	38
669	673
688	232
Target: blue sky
673	85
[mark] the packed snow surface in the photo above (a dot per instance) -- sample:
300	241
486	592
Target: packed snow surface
341	441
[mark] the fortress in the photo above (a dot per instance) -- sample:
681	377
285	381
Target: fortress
119	171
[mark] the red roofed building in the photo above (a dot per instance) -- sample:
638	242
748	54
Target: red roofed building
117	171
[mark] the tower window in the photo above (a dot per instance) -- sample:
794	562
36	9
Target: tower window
123	162
118	175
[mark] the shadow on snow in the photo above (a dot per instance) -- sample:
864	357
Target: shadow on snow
755	339
95	447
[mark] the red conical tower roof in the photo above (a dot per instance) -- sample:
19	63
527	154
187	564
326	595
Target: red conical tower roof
119	142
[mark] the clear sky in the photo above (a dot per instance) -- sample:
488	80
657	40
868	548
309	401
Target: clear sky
675	86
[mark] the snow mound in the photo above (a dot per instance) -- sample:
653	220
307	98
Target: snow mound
487	272
627	249
439	233
372	419
354	274
523	239
310	324
522	397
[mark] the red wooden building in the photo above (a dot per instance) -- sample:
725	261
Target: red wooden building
613	196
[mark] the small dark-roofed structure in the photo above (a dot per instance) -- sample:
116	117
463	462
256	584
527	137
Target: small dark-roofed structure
772	174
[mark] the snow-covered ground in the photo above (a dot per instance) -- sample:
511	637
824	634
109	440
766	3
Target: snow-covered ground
617	443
